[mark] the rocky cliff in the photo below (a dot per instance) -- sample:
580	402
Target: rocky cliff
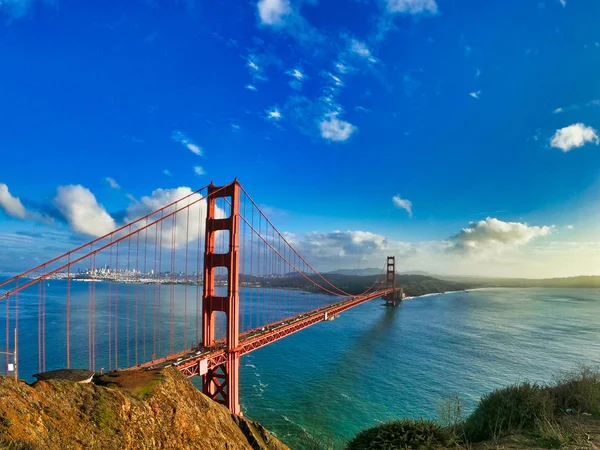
157	409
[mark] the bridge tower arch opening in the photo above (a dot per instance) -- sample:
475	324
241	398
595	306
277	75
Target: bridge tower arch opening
221	383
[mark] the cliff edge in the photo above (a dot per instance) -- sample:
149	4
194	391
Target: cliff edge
156	409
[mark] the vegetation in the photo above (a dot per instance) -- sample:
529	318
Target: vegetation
563	413
403	434
567	282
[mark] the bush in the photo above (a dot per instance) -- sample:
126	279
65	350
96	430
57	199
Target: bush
508	410
402	434
578	392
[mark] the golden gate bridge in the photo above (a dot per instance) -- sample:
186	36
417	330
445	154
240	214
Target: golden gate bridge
210	244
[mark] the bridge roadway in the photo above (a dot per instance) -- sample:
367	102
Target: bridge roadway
198	361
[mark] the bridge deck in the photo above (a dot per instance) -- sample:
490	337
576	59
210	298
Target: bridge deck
197	361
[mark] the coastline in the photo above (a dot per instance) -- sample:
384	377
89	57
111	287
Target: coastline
445	292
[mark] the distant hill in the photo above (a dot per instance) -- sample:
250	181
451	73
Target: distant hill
413	285
374	271
357	272
592	281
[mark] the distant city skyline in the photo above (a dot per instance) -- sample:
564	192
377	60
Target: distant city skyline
460	137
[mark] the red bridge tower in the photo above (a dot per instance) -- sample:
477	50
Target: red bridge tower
393	298
222	382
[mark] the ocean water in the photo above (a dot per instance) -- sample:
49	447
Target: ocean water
376	364
371	365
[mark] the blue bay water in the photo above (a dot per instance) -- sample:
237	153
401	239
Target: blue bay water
376	364
371	365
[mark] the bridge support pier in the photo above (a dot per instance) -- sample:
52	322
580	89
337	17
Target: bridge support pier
394	298
221	383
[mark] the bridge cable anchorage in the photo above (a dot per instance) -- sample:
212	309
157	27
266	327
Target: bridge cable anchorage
252	288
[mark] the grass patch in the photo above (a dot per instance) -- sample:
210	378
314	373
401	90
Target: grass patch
103	416
140	383
145	391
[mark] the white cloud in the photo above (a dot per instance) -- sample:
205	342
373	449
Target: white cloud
112	183
360	49
493	235
11	205
298	77
274	114
250	87
342	67
570	227
167	172
190	226
180	137
335	129
575	135
563	2
558	110
273	12
475	94
336	80
82	211
281	15
403	203
412	6
296	73
198	170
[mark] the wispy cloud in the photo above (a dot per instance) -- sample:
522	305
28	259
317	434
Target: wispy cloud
167	172
403	203
257	64
112	183
298	78
180	137
361	50
282	15
576	106
251	87
576	135
273	114
476	94
563	2
19	8
198	170
334	129
412	6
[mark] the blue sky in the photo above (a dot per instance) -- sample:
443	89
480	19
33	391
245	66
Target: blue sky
479	119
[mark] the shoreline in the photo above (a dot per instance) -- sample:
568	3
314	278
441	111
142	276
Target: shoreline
447	292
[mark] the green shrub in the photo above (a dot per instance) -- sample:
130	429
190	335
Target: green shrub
402	434
509	410
578	392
